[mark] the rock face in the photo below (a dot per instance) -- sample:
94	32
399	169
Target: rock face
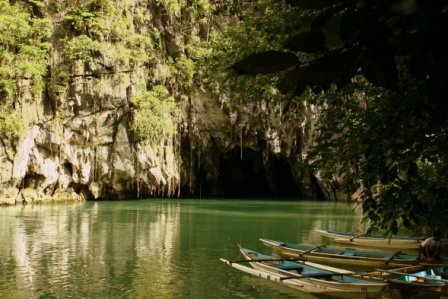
79	144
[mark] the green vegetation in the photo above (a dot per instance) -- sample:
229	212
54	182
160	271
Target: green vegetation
172	6
154	114
102	30
23	48
11	125
265	25
101	36
91	17
23	56
386	147
83	48
377	71
183	70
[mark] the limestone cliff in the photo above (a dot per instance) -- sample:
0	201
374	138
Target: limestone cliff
79	143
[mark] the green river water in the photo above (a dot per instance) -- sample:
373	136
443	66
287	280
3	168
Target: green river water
152	248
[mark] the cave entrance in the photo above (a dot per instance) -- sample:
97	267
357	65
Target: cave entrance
251	177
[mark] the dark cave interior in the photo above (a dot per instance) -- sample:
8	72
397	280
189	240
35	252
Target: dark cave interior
250	177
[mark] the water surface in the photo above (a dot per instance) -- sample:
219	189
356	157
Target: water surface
152	248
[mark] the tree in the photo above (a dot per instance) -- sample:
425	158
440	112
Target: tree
376	38
378	69
385	147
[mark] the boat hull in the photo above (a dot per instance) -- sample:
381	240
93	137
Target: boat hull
299	285
326	283
409	289
373	241
425	280
336	256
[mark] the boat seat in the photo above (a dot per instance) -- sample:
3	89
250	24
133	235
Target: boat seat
314	274
298	268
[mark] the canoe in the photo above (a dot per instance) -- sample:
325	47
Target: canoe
373	241
341	256
418	280
306	276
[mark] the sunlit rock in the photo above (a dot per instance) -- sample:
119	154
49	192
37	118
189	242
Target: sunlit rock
8	195
23	153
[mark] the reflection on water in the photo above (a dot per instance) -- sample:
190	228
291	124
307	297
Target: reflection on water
150	248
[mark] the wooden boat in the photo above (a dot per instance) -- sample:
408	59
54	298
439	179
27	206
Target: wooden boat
341	256
307	277
373	241
414	280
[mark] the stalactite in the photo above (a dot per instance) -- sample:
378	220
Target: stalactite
241	131
199	171
37	111
177	150
190	135
137	173
95	150
95	147
60	148
241	142
199	160
179	166
168	194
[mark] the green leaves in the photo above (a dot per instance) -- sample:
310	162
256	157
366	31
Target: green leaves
11	124
379	33
386	146
92	17
107	33
378	71
23	48
153	114
185	70
83	48
249	36
308	42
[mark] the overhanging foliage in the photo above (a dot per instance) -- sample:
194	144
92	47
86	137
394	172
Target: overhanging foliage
380	68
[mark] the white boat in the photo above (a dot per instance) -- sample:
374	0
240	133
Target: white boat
373	241
307	277
341	256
